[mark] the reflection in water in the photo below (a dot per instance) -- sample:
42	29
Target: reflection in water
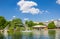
16	36
57	34
5	35
1	36
27	35
50	34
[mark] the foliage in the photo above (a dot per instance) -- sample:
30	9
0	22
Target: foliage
15	23
51	25
41	23
3	22
26	22
30	23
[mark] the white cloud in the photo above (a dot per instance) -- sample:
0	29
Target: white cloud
45	11
14	16
58	1
58	19
28	7
26	19
34	10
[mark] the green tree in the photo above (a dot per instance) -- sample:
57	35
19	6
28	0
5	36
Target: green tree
16	23
26	22
3	22
51	25
29	23
41	23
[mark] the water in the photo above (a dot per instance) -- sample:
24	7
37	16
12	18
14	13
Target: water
44	34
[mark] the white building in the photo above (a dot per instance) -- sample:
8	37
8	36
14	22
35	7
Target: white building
57	23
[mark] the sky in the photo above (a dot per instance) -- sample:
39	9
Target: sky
35	10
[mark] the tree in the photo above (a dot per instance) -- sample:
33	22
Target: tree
51	25
16	22
41	23
3	22
26	22
29	23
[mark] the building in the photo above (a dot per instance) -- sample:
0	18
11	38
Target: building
39	27
57	23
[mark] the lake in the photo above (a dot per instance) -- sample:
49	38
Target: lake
43	34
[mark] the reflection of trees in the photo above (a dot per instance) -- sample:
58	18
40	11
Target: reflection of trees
1	36
17	36
27	35
31	36
52	34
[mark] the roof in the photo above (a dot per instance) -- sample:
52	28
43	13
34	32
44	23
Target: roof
39	26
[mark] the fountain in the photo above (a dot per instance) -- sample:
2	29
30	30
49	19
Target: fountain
6	29
26	29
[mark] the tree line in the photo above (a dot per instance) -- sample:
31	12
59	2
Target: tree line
17	22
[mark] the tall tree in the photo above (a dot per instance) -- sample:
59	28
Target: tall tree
51	25
30	23
41	23
16	22
3	22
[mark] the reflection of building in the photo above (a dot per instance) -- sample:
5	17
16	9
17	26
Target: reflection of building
39	27
57	34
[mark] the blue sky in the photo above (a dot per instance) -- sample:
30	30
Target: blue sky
43	10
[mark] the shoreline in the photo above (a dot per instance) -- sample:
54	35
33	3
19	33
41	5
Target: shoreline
14	30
